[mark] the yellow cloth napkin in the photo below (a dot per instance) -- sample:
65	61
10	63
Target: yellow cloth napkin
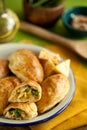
75	114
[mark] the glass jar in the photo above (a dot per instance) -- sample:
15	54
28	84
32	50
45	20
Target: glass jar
9	23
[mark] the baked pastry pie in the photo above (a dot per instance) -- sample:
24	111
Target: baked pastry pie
52	63
25	65
7	84
54	89
19	111
49	68
28	91
63	67
4	69
45	55
49	60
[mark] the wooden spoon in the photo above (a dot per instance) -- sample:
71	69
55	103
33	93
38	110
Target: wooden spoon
78	46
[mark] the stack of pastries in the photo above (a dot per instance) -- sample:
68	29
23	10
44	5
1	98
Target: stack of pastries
31	85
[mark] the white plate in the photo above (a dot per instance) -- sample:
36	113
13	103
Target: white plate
7	49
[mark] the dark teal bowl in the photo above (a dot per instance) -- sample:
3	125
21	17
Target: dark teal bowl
67	17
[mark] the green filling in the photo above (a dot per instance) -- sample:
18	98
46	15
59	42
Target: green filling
34	92
16	112
27	88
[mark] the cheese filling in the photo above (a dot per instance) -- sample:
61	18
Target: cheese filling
26	92
15	113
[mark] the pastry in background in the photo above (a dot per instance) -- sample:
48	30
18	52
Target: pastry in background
25	65
63	67
48	60
28	91
54	89
19	111
7	84
52	63
4	69
45	55
49	68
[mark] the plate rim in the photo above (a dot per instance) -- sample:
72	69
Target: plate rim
27	122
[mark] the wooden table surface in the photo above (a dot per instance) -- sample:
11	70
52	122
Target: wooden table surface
27	128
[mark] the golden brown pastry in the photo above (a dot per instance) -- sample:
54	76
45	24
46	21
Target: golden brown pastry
25	65
63	67
7	84
4	69
19	111
49	60
28	91
52	63
49	68
45	55
54	89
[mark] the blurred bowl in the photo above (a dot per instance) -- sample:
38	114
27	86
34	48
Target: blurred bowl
69	15
41	15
